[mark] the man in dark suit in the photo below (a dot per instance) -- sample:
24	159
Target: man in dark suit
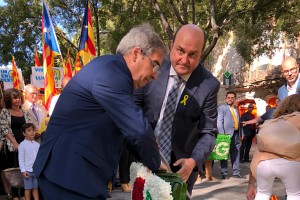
193	124
95	113
228	123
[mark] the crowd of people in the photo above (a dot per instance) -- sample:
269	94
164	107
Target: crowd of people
159	108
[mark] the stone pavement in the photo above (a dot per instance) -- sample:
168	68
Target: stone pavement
231	189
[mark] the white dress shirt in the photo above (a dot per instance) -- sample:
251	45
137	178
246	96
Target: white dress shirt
27	154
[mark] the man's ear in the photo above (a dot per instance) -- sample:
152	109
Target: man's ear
135	52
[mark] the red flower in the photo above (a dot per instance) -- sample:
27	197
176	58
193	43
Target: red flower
138	188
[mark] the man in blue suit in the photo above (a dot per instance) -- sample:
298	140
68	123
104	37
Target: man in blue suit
94	115
194	126
290	71
228	123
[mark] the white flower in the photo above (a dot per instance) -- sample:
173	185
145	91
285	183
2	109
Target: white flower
157	187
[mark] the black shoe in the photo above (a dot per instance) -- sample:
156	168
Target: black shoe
241	161
247	160
224	177
237	176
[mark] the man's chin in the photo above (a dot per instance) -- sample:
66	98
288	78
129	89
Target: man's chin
142	84
182	71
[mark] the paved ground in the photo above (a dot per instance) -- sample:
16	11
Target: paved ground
231	189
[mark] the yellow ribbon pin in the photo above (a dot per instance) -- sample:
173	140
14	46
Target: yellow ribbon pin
185	98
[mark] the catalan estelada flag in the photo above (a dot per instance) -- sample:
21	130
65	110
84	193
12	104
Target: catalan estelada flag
15	75
36	58
86	46
78	65
50	50
67	66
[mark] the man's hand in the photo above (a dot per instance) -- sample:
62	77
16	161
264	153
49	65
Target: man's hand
244	123
187	166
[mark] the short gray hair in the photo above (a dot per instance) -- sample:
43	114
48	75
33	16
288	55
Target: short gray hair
26	89
144	37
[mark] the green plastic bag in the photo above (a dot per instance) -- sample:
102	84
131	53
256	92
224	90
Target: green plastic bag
221	150
179	188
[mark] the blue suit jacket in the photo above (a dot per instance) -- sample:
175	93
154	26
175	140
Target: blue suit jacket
225	119
194	125
283	92
81	147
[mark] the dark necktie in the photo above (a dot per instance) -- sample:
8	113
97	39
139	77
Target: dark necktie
167	121
34	111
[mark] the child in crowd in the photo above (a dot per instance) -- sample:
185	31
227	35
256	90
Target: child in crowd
28	150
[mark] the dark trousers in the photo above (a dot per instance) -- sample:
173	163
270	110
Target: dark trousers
246	146
234	153
124	165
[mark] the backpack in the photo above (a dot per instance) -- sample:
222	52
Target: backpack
281	137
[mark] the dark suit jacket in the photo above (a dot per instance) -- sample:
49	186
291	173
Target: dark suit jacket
195	124
81	147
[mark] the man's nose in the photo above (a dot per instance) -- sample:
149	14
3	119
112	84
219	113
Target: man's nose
184	58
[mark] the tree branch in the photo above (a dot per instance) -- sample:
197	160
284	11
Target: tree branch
163	19
61	34
215	31
193	12
177	14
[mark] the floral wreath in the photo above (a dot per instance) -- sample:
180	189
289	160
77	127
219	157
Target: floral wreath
148	186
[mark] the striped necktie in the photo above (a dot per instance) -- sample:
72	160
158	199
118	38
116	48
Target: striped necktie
167	121
33	107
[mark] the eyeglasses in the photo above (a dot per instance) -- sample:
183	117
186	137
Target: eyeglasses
33	93
292	70
155	65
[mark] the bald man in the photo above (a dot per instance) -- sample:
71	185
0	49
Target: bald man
290	71
54	99
194	119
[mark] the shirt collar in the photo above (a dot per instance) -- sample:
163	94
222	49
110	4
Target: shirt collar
294	87
173	73
30	104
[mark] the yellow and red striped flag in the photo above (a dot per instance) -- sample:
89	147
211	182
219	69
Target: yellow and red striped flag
15	75
78	65
86	46
67	66
50	50
36	58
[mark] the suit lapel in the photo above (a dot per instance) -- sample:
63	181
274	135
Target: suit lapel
160	86
189	90
237	114
27	107
298	88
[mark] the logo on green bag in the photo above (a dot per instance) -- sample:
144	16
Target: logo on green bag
222	149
